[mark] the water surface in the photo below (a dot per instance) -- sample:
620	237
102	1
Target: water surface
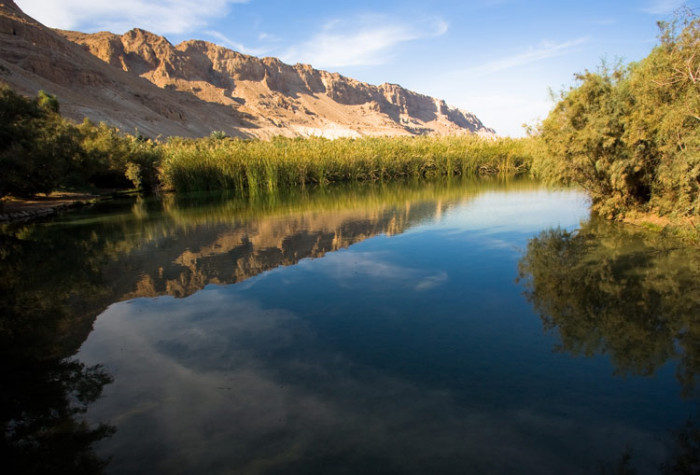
475	327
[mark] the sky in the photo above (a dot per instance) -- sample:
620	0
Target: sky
496	58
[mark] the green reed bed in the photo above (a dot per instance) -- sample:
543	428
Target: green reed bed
254	165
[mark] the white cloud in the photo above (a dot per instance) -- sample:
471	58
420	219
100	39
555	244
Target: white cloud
660	7
224	40
216	376
346	268
546	50
507	91
362	42
163	16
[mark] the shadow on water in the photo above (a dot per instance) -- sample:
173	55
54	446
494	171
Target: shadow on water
684	458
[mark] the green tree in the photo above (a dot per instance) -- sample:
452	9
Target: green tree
630	135
116	160
666	116
585	135
36	145
40	151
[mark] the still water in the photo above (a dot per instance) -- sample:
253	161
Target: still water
472	327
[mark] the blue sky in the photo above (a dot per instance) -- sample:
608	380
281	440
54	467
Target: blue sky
496	58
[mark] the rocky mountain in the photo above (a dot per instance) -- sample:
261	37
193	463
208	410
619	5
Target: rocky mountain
33	57
139	80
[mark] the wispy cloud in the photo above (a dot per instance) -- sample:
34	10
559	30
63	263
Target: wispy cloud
365	41
224	40
161	16
545	51
346	268
661	7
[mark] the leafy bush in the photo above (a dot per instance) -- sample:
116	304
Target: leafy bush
115	160
631	135
41	152
36	144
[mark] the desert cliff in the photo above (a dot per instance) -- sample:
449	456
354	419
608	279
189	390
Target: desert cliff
140	81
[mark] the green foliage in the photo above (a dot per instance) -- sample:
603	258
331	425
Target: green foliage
585	137
218	135
41	152
224	163
112	159
631	135
36	144
48	102
667	86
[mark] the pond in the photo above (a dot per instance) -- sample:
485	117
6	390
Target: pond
461	327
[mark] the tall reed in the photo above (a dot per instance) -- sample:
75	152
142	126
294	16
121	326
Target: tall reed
254	165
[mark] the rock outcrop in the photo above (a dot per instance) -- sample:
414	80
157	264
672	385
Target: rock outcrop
140	80
33	57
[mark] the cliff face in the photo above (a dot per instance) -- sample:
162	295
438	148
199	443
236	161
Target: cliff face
33	57
141	81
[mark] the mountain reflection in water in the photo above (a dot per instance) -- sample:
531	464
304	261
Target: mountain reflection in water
56	276
410	352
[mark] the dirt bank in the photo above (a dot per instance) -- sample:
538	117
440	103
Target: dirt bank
16	209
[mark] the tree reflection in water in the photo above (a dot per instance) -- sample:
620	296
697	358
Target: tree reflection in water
41	407
44	391
630	294
685	457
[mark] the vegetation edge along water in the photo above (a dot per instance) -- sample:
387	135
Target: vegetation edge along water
629	135
41	151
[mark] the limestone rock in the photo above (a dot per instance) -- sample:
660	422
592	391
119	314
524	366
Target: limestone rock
140	80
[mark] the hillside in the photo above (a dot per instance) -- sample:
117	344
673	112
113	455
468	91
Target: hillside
139	80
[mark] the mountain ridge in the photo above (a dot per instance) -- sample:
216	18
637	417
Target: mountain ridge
145	82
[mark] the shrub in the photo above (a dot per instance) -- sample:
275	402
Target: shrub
36	144
631	135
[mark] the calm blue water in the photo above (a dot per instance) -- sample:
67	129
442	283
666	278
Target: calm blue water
390	334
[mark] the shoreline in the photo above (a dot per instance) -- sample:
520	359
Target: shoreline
686	229
17	209
14	210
